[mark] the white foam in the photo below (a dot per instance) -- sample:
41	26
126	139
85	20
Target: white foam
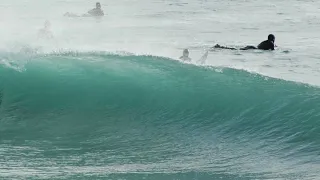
166	28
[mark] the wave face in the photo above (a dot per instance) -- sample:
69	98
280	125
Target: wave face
97	115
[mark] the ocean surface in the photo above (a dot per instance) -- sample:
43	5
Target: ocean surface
108	98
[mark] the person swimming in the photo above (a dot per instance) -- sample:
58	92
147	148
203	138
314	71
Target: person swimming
185	56
45	32
268	44
95	12
264	45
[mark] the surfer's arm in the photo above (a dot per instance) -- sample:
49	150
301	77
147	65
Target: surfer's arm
203	58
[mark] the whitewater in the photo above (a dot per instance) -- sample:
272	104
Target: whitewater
108	98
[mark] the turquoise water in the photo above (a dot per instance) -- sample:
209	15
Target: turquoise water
108	99
106	116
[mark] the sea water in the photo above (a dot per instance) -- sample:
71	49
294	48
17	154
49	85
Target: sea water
107	98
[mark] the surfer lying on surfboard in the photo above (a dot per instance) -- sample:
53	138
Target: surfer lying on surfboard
95	12
264	45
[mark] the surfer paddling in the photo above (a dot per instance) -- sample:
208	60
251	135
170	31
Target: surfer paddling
185	57
95	12
264	45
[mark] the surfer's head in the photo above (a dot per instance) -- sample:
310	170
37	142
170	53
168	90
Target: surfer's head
271	37
98	5
185	53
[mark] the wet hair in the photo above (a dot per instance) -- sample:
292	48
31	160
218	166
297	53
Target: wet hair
98	4
186	51
271	37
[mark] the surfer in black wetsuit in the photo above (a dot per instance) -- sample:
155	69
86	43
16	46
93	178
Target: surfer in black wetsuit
95	12
185	55
264	45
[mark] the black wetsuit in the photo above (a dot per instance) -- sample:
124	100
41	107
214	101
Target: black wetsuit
96	12
248	47
266	45
223	47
